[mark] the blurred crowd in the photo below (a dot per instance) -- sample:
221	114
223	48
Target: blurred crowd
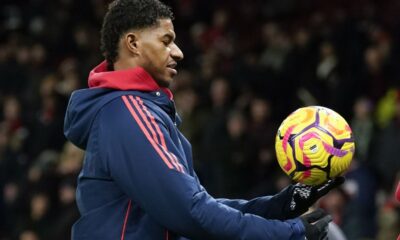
248	64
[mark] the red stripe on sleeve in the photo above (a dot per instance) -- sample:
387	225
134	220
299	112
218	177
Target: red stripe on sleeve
152	121
171	156
146	133
137	107
176	160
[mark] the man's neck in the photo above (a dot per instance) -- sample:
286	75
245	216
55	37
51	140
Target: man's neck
124	64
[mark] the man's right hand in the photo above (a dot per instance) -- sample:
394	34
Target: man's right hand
316	224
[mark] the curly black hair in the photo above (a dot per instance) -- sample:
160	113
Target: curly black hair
123	15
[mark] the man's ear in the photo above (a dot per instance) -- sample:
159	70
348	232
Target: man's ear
131	42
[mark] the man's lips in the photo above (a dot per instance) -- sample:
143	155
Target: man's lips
173	70
171	66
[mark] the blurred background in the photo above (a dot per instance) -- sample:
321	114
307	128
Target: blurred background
248	64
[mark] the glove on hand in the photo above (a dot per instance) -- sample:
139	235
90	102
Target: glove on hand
316	224
303	196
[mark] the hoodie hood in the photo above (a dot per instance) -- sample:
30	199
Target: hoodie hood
84	104
130	79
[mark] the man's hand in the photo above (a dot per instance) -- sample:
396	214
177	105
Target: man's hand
303	196
316	224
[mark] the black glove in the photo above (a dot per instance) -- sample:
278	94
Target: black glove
316	224
304	196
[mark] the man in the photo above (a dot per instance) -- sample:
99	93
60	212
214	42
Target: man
137	180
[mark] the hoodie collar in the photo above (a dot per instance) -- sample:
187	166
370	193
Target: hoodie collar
130	79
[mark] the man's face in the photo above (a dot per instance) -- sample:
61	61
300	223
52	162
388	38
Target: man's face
158	53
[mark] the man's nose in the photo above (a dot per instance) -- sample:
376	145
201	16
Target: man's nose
176	53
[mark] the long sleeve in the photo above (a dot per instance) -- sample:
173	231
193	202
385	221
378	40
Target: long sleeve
269	207
148	166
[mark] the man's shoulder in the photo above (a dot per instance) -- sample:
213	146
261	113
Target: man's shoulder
128	104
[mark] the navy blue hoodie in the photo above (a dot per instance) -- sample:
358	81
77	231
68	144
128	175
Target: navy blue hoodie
137	180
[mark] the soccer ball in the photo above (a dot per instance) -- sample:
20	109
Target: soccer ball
314	144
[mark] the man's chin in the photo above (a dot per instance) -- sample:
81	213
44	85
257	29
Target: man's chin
166	82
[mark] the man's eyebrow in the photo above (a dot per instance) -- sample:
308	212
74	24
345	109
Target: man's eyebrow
170	36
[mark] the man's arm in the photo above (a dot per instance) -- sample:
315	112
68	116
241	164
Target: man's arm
269	207
291	202
142	161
